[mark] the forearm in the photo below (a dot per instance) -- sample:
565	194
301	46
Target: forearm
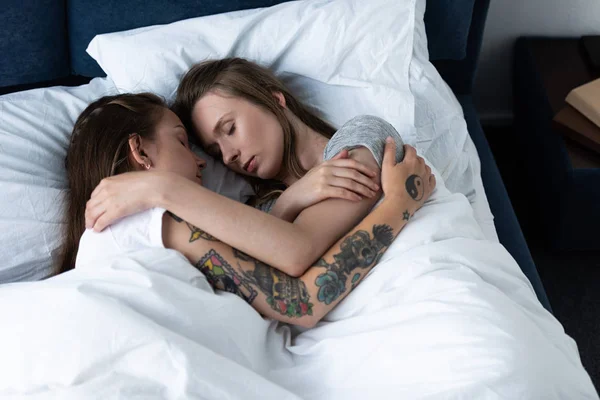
346	263
265	237
300	301
284	209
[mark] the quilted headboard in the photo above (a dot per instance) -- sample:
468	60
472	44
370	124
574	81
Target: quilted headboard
45	40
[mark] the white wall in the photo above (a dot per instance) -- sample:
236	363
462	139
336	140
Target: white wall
509	19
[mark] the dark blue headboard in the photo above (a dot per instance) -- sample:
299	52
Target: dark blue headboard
44	40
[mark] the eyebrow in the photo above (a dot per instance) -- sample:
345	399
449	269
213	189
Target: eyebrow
220	123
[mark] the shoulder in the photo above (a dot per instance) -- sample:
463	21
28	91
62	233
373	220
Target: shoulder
366	131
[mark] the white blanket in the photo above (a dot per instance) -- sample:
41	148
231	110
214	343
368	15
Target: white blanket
446	314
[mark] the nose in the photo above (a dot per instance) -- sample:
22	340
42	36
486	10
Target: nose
230	156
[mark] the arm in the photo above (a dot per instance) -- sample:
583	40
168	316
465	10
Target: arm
306	299
263	236
290	247
343	179
300	300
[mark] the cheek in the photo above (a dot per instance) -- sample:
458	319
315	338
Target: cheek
181	162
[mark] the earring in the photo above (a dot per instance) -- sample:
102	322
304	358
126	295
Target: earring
147	166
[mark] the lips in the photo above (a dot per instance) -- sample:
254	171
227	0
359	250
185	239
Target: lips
250	165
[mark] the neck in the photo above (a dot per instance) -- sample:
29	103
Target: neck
310	145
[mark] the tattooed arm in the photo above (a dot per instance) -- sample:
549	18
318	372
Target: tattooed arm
306	299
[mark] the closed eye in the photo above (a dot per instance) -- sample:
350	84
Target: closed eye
231	130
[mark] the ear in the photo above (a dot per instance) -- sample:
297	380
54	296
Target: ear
137	151
280	98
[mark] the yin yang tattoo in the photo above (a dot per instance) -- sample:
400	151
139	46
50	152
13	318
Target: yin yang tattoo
414	187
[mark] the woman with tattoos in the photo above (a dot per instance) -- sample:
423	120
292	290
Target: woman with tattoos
125	133
242	113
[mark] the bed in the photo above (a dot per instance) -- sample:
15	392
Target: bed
45	44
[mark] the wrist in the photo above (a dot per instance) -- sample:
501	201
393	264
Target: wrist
163	188
283	208
402	202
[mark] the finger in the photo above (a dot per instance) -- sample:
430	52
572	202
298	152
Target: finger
355	176
341	155
409	152
101	223
389	153
341	193
350	163
99	188
353	186
93	203
105	219
94	223
92	213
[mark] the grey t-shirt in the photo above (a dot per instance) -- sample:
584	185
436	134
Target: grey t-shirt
364	130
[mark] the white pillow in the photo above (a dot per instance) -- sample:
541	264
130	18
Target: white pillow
343	58
35	127
441	130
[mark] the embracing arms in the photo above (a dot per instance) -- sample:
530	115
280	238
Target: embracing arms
290	247
302	300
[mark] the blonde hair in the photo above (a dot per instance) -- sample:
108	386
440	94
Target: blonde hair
242	78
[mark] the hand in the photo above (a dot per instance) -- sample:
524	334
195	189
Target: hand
340	177
410	179
122	195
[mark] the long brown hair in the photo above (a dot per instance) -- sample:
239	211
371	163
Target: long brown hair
99	149
252	82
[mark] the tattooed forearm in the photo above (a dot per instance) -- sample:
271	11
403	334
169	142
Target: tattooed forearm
196	233
200	234
223	276
285	294
358	250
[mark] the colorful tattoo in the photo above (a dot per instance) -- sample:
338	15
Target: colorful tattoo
356	251
285	294
197	233
222	276
406	215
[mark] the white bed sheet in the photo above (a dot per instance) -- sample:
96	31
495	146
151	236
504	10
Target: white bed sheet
447	314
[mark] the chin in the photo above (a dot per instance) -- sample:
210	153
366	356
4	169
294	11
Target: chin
264	172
